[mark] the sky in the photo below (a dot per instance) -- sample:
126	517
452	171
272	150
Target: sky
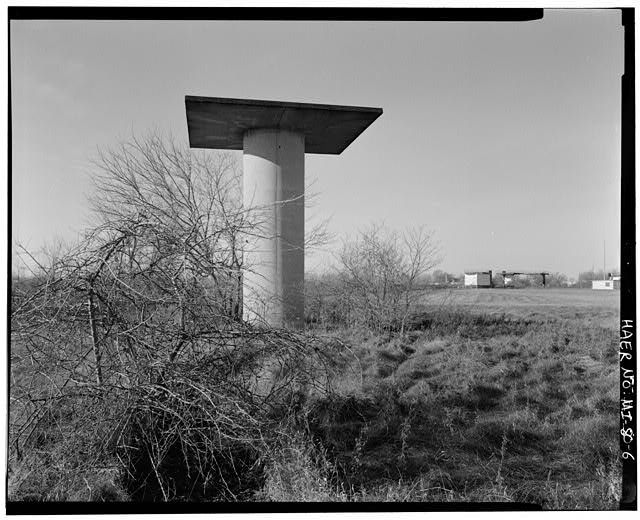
503	138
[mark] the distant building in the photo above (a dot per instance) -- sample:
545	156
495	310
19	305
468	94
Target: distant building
477	279
606	285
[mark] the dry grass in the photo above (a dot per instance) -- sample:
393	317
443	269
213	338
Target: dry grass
468	405
589	307
479	407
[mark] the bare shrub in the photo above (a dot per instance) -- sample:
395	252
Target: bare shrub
128	349
380	273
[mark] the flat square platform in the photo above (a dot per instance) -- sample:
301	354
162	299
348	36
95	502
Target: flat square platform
220	123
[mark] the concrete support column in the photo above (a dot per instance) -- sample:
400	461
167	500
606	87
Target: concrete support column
273	188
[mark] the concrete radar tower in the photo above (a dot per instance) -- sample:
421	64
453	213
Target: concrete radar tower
274	137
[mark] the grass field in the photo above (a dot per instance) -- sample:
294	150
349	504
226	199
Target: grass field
490	395
496	395
601	308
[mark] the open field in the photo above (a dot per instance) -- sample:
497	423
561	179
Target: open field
496	395
585	305
489	395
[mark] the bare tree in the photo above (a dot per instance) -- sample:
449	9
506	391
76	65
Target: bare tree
380	271
135	334
180	211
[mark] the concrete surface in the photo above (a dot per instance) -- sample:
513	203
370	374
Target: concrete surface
273	185
222	122
274	136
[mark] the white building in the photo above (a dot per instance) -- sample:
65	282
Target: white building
477	279
606	285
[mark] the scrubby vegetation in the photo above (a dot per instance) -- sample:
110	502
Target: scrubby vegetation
460	408
134	378
491	409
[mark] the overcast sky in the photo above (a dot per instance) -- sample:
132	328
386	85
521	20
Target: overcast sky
503	138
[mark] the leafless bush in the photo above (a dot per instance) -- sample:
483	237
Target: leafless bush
129	351
379	275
